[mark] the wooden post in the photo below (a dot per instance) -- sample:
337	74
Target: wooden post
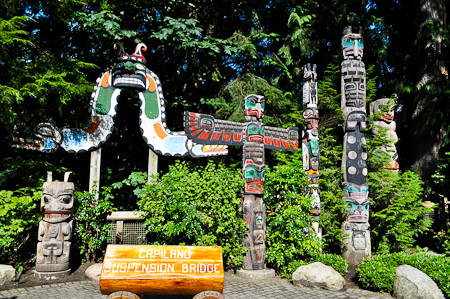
94	172
152	164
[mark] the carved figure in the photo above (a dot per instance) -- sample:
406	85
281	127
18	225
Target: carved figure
356	241
255	241
385	124
131	72
55	228
254	137
310	140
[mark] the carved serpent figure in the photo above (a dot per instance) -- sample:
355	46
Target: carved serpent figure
131	73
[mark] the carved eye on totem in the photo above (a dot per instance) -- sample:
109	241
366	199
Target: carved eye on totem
251	102
206	123
293	135
360	43
253	172
365	207
351	189
65	199
347	42
350	206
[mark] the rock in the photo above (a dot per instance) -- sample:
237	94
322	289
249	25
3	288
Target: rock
318	275
93	272
7	274
256	274
413	283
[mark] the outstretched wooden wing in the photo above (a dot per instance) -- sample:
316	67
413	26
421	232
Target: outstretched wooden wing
205	129
281	139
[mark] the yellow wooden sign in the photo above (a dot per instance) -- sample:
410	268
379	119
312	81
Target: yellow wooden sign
147	269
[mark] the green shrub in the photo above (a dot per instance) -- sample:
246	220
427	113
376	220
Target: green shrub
378	273
19	220
196	206
289	236
396	210
335	261
91	226
444	241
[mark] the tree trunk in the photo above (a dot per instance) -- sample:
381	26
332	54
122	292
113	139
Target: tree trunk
428	119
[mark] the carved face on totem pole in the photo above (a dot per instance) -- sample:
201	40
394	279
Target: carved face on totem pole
254	132
352	44
254	178
130	72
356	202
254	107
311	118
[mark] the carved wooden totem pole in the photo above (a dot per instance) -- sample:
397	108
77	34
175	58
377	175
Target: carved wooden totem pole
254	137
55	228
356	241
383	110
310	140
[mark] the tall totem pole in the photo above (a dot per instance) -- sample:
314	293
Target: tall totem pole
254	137
310	140
356	241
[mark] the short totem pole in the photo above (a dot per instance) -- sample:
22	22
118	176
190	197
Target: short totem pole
356	241
254	137
384	124
55	228
310	140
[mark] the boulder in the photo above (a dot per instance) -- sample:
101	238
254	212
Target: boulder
7	274
318	275
413	283
93	272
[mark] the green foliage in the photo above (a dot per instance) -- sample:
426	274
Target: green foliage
104	23
397	214
229	105
18	220
378	273
444	241
289	233
91	227
196	206
11	32
332	203
335	261
187	34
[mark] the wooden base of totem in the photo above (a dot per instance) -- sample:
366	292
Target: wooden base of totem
256	274
51	275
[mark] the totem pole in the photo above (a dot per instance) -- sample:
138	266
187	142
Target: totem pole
55	228
310	140
254	137
356	241
384	124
